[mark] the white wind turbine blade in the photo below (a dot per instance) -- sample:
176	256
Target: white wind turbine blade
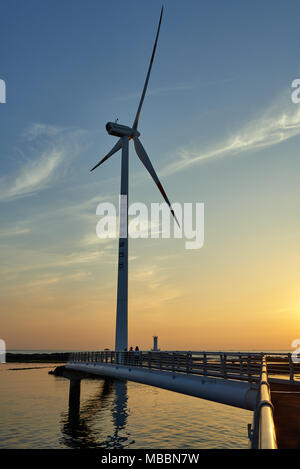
116	148
136	120
141	152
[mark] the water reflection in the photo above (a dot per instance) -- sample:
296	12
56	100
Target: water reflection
100	421
119	414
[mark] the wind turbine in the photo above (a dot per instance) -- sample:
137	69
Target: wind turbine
125	134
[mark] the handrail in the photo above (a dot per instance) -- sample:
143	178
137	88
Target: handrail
207	352
240	365
224	365
264	434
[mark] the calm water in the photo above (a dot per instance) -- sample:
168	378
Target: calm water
34	414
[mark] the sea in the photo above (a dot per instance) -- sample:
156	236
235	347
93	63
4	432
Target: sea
113	414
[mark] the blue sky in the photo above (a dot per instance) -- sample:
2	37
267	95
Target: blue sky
217	122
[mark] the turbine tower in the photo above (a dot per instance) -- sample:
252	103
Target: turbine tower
125	134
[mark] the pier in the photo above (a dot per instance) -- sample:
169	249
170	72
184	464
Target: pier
266	384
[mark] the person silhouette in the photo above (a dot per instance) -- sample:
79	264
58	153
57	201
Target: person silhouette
136	355
130	355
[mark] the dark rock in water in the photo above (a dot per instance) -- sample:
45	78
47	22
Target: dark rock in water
59	371
72	374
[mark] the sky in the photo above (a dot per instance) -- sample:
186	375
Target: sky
220	128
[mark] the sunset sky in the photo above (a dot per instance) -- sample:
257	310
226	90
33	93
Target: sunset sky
220	128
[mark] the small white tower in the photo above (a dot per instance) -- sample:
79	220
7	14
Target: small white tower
155	343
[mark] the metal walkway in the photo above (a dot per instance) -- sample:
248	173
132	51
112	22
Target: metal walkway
237	379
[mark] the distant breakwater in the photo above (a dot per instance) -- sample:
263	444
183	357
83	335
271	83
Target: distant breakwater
37	357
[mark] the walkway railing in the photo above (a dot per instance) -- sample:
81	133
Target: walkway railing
264	435
256	368
233	365
225	365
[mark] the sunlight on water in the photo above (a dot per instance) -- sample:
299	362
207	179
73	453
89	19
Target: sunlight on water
35	414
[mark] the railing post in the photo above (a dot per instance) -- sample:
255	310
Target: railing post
204	364
249	367
263	361
224	369
173	361
241	365
291	368
188	365
149	359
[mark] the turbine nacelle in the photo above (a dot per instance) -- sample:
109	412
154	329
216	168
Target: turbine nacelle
131	133
119	130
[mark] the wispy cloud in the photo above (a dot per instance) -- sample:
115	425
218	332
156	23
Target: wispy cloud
32	177
50	148
91	239
45	280
153	278
38	129
156	91
14	231
174	87
41	261
279	123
